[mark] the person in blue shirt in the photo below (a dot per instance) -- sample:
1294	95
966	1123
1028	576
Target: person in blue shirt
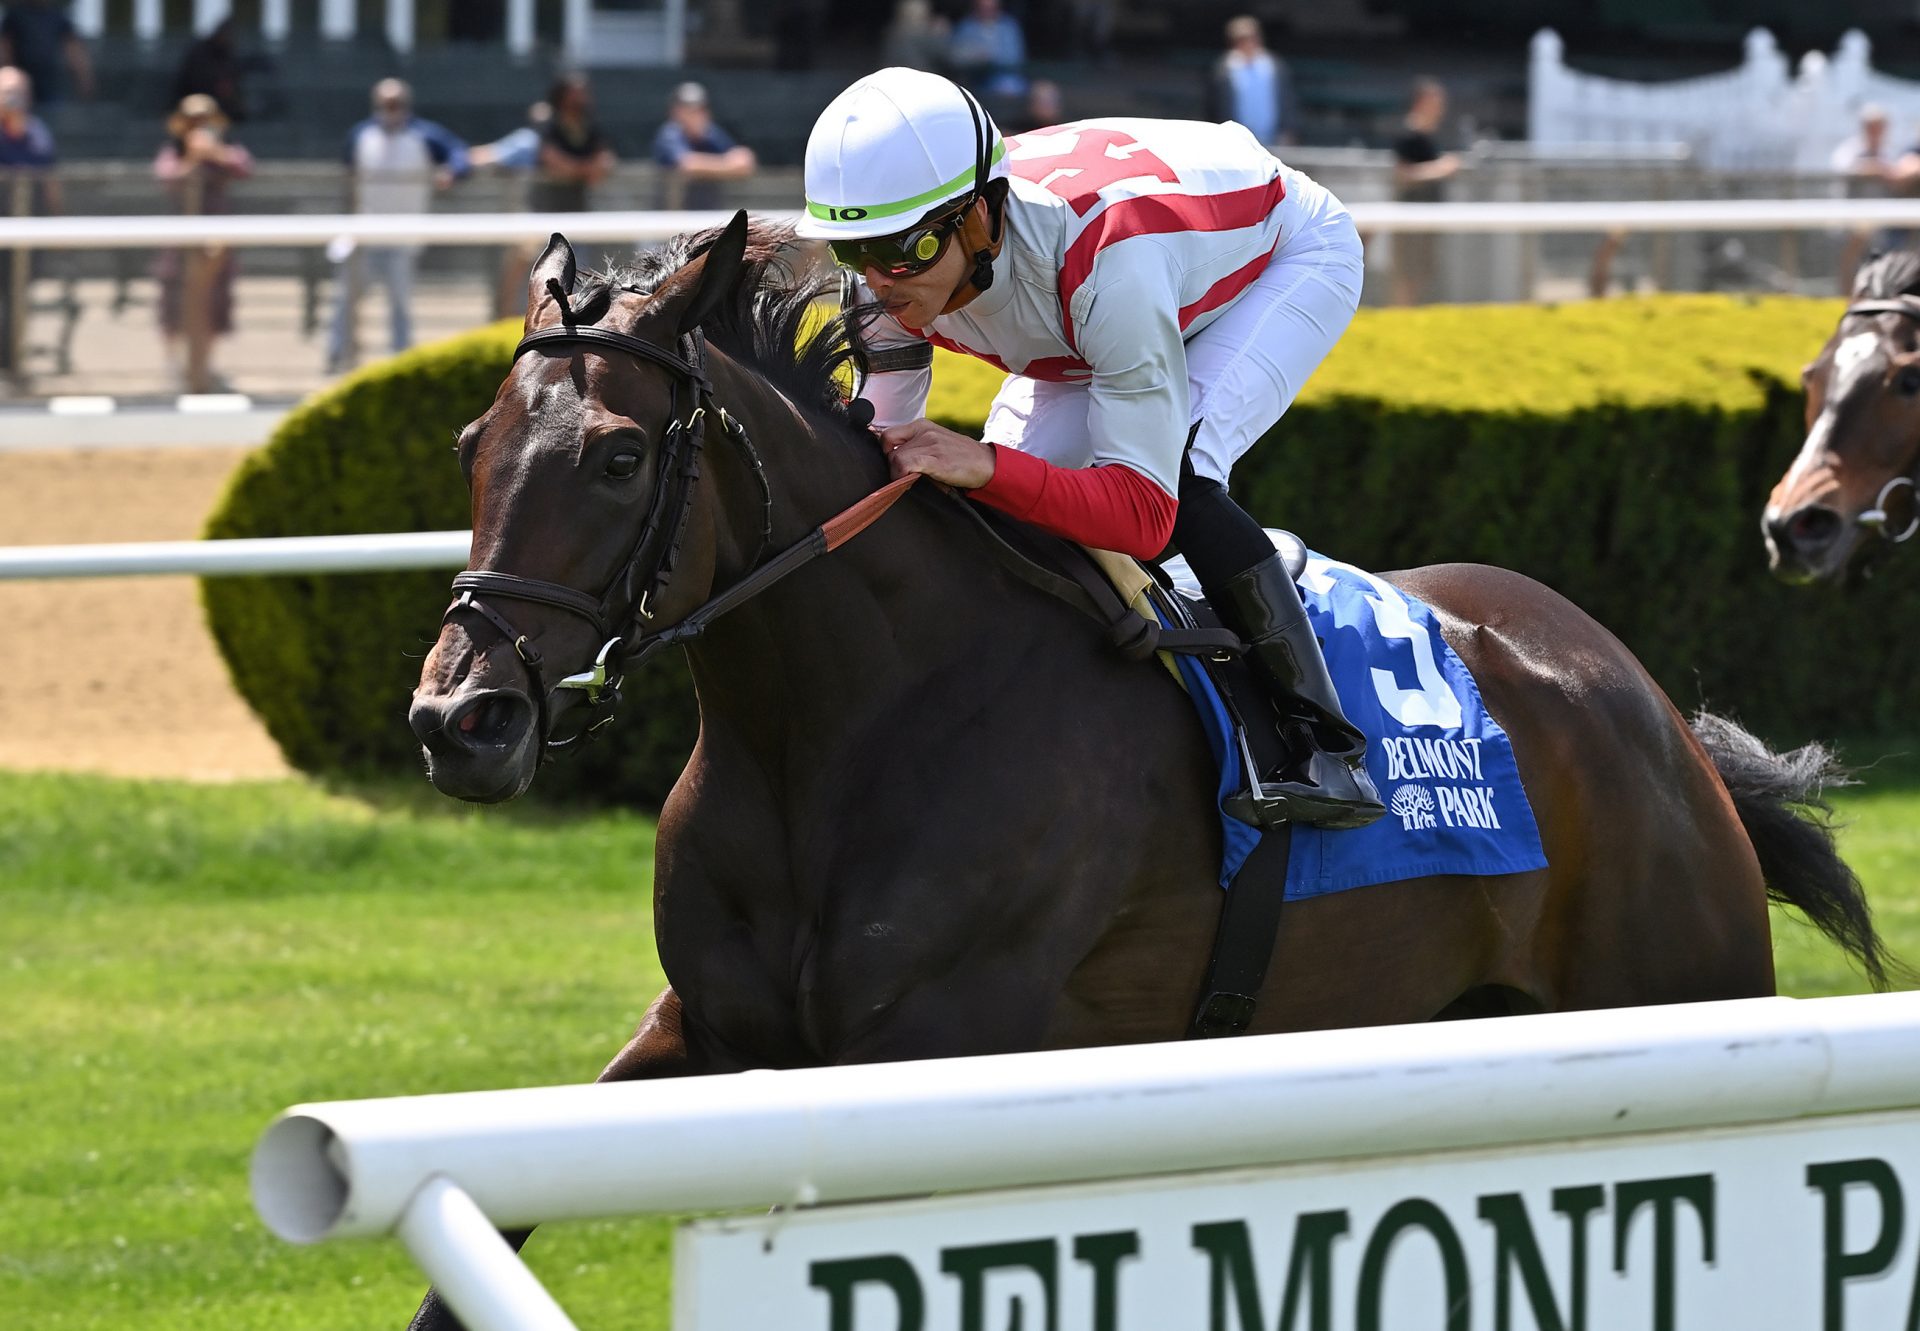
1251	86
698	151
25	145
396	160
38	37
989	51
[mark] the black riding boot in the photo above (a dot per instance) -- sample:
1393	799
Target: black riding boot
1326	784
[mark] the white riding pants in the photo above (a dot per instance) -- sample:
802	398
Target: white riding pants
1246	367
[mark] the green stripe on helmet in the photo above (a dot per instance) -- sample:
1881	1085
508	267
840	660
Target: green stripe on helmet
916	205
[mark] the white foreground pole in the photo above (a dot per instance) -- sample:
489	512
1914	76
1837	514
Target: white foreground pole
381	553
479	1275
888	1130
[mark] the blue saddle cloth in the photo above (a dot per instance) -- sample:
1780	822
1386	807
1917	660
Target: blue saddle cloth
1440	761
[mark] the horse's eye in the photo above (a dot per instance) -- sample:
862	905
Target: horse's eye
622	465
1908	380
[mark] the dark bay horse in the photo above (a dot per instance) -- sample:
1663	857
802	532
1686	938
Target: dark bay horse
932	812
1849	496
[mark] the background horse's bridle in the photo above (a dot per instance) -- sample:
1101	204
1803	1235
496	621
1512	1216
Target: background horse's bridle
1876	519
628	601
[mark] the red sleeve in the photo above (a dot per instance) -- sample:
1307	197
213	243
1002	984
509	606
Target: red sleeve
1111	507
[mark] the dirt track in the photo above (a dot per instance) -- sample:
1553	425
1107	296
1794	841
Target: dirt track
118	675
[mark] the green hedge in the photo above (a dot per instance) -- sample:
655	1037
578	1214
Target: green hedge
1618	451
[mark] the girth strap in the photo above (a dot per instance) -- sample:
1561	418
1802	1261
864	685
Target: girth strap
1244	940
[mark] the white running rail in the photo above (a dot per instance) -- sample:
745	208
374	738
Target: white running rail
429	1168
374	553
310	230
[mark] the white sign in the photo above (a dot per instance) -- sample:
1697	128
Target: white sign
1798	1226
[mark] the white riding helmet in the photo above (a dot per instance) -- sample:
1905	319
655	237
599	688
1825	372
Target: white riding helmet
892	147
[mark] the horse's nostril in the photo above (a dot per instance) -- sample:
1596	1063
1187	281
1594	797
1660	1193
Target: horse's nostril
489	720
1813	526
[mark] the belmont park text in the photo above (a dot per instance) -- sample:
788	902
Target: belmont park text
1656	1235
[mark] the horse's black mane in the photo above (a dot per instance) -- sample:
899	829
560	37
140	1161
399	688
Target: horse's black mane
1895	273
765	323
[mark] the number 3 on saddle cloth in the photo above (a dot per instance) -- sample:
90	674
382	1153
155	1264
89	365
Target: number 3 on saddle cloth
1441	762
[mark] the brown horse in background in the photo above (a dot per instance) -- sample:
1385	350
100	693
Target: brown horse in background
931	812
1849	496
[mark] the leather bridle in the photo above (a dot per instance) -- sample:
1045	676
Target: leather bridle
620	613
1877	519
628	602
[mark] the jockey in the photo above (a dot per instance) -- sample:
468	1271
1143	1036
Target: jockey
1157	291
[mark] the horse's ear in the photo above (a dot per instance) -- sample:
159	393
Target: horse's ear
555	265
719	273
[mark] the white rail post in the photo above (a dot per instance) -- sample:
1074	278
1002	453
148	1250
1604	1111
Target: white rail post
148	20
276	20
400	26
479	1275
90	17
206	13
676	31
577	20
520	28
338	19
1546	79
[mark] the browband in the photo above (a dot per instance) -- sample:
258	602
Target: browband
565	334
1906	305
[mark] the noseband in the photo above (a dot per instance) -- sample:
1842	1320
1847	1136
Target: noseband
628	602
1877	519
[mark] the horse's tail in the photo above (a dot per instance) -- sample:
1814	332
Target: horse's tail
1781	800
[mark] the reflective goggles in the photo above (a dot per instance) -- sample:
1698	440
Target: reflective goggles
904	253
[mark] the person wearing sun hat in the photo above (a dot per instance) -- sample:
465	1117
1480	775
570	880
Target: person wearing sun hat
1158	292
196	283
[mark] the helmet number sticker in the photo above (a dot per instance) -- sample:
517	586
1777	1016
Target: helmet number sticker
845	214
1095	159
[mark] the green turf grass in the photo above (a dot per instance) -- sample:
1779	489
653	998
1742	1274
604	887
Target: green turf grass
178	963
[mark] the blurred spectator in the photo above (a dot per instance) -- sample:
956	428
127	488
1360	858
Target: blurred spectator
198	166
397	161
698	152
25	140
212	65
1251	86
1869	150
1045	106
1092	29
518	152
575	155
1873	168
917	38
989	52
26	150
42	40
1420	173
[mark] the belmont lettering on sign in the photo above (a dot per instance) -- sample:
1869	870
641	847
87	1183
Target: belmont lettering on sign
1785	1227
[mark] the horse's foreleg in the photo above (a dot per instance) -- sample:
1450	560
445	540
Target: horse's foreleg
658	1049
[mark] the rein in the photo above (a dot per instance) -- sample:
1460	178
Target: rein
618	613
1878	519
